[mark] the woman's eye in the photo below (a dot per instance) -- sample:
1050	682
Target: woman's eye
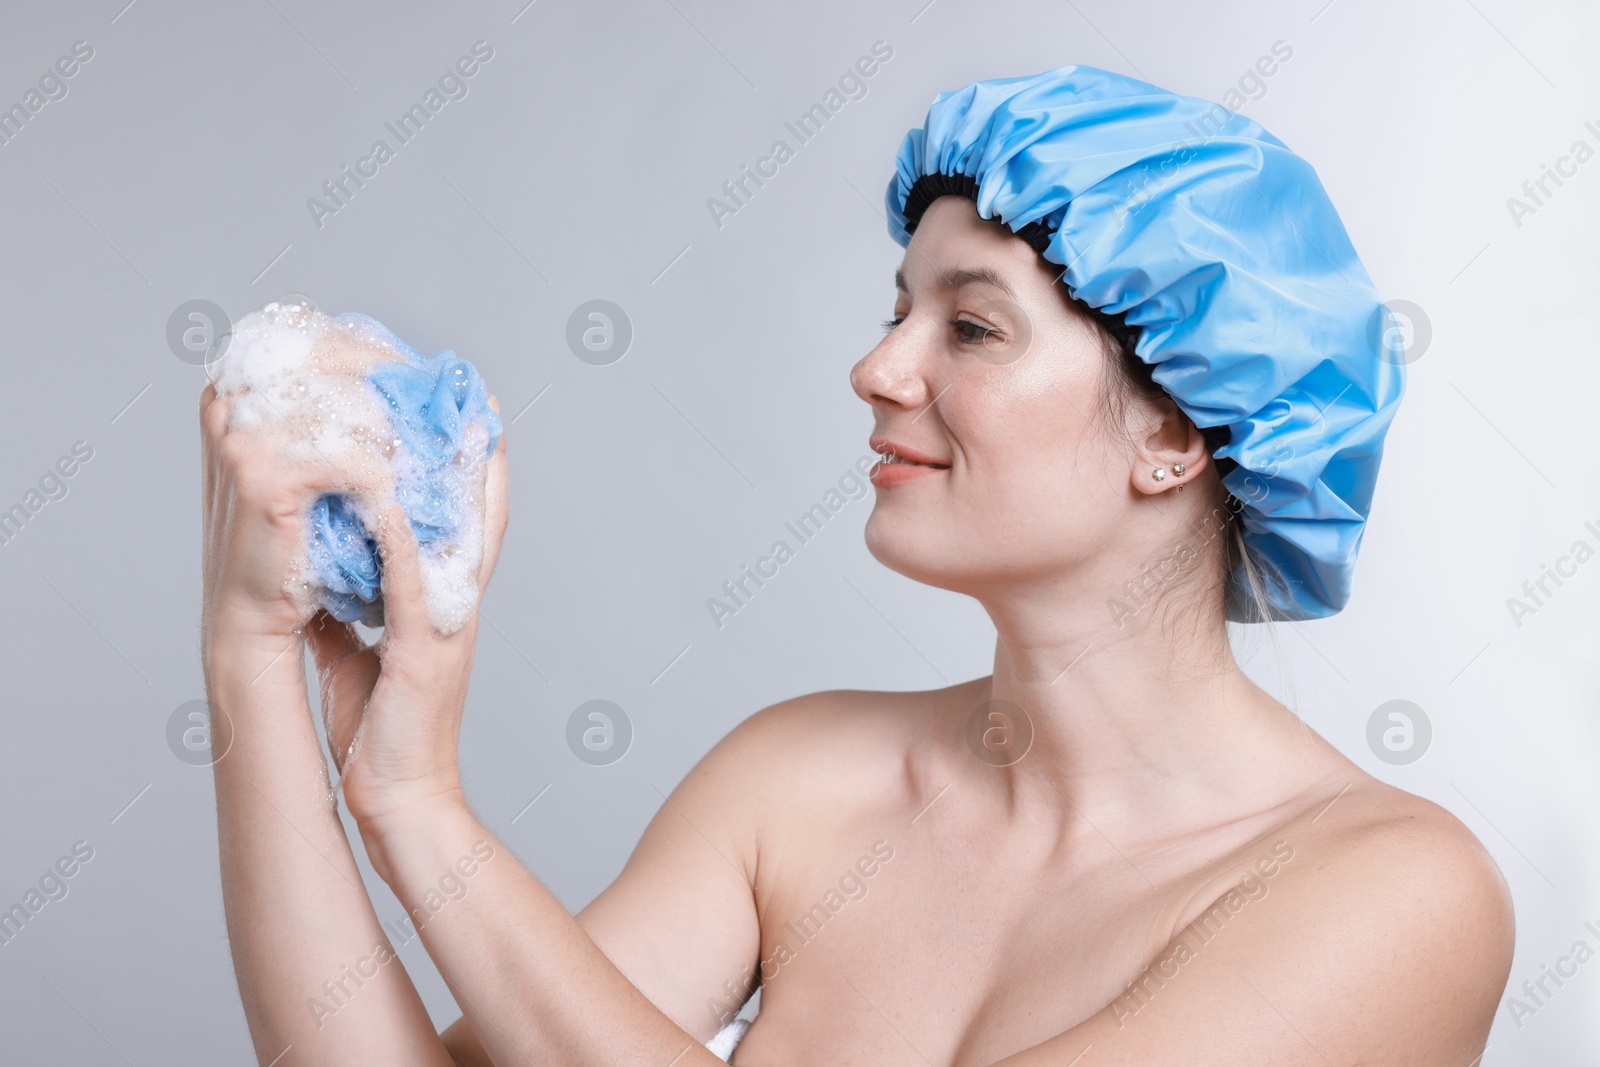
971	332
968	332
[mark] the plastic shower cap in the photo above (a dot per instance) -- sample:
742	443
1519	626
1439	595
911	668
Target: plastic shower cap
1218	247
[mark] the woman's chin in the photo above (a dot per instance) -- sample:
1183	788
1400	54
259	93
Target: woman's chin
926	563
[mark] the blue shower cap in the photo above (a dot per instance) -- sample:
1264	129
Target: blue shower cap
1207	238
431	401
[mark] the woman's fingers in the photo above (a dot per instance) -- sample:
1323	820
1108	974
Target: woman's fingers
405	604
213	423
347	669
332	642
281	472
213	413
495	505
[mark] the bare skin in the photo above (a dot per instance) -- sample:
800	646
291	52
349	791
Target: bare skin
907	897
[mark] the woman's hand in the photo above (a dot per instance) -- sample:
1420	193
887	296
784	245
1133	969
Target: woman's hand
393	711
254	503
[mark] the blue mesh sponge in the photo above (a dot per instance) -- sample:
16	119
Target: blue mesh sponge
431	401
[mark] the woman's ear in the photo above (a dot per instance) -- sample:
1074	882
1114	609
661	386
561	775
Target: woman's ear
1173	450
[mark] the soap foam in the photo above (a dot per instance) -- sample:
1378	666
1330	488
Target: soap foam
329	389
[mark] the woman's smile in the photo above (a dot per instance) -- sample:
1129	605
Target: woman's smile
900	463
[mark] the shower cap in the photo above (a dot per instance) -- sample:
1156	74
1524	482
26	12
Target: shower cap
431	402
1192	229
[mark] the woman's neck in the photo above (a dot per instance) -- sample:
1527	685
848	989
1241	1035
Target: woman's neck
1147	727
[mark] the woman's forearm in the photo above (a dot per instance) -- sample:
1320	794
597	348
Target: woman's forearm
316	973
536	989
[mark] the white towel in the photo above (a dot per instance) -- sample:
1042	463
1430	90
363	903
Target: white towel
728	1038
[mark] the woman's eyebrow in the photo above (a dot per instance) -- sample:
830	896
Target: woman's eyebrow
956	277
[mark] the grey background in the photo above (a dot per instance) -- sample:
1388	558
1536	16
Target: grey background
578	167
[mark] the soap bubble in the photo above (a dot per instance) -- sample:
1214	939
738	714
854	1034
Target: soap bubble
299	300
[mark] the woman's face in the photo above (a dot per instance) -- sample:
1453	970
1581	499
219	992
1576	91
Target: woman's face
1030	484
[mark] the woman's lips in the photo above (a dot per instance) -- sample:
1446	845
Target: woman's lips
908	465
906	452
884	475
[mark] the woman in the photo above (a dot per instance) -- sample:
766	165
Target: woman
1128	394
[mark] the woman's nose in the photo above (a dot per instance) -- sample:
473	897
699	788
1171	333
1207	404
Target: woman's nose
890	373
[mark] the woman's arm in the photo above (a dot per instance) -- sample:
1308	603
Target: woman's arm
534	987
680	920
319	982
532	984
316	973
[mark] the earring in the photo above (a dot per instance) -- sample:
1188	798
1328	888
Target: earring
1159	474
1178	469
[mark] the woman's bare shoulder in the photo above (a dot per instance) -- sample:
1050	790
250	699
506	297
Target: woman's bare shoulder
1394	850
1366	823
1416	881
830	717
820	742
